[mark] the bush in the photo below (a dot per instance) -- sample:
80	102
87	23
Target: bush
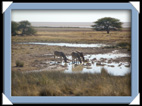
19	63
122	44
14	28
24	27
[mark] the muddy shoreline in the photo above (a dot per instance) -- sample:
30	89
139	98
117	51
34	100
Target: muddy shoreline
38	57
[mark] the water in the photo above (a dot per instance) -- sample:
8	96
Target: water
107	56
92	65
113	68
67	44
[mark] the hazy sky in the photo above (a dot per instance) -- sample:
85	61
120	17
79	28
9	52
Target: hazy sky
69	15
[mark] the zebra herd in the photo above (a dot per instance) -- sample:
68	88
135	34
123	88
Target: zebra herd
76	56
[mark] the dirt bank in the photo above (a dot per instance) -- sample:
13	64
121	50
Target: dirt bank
35	56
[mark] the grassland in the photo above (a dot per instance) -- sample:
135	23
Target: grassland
65	84
75	35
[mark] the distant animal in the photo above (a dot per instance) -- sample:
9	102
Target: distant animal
76	57
81	55
61	55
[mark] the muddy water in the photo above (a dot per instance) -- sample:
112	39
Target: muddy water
106	56
113	68
67	44
95	63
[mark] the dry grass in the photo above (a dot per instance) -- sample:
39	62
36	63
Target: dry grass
63	84
74	35
58	83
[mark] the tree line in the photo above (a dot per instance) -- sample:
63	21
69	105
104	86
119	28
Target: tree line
22	28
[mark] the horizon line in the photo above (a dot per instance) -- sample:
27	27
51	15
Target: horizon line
53	21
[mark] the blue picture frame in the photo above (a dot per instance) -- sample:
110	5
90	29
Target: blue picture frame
71	99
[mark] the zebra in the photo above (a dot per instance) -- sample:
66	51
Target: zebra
75	56
61	55
81	55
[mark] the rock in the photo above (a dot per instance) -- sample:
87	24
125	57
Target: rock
128	65
88	64
87	60
102	59
98	63
111	65
88	67
119	64
94	59
109	61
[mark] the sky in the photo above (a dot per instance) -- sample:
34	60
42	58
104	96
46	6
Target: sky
69	15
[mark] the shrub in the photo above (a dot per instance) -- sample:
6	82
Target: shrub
48	91
123	44
19	63
24	27
14	28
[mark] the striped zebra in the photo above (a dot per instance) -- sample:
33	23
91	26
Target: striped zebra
75	57
61	55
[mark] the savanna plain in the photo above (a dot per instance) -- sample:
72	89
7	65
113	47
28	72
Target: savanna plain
33	75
